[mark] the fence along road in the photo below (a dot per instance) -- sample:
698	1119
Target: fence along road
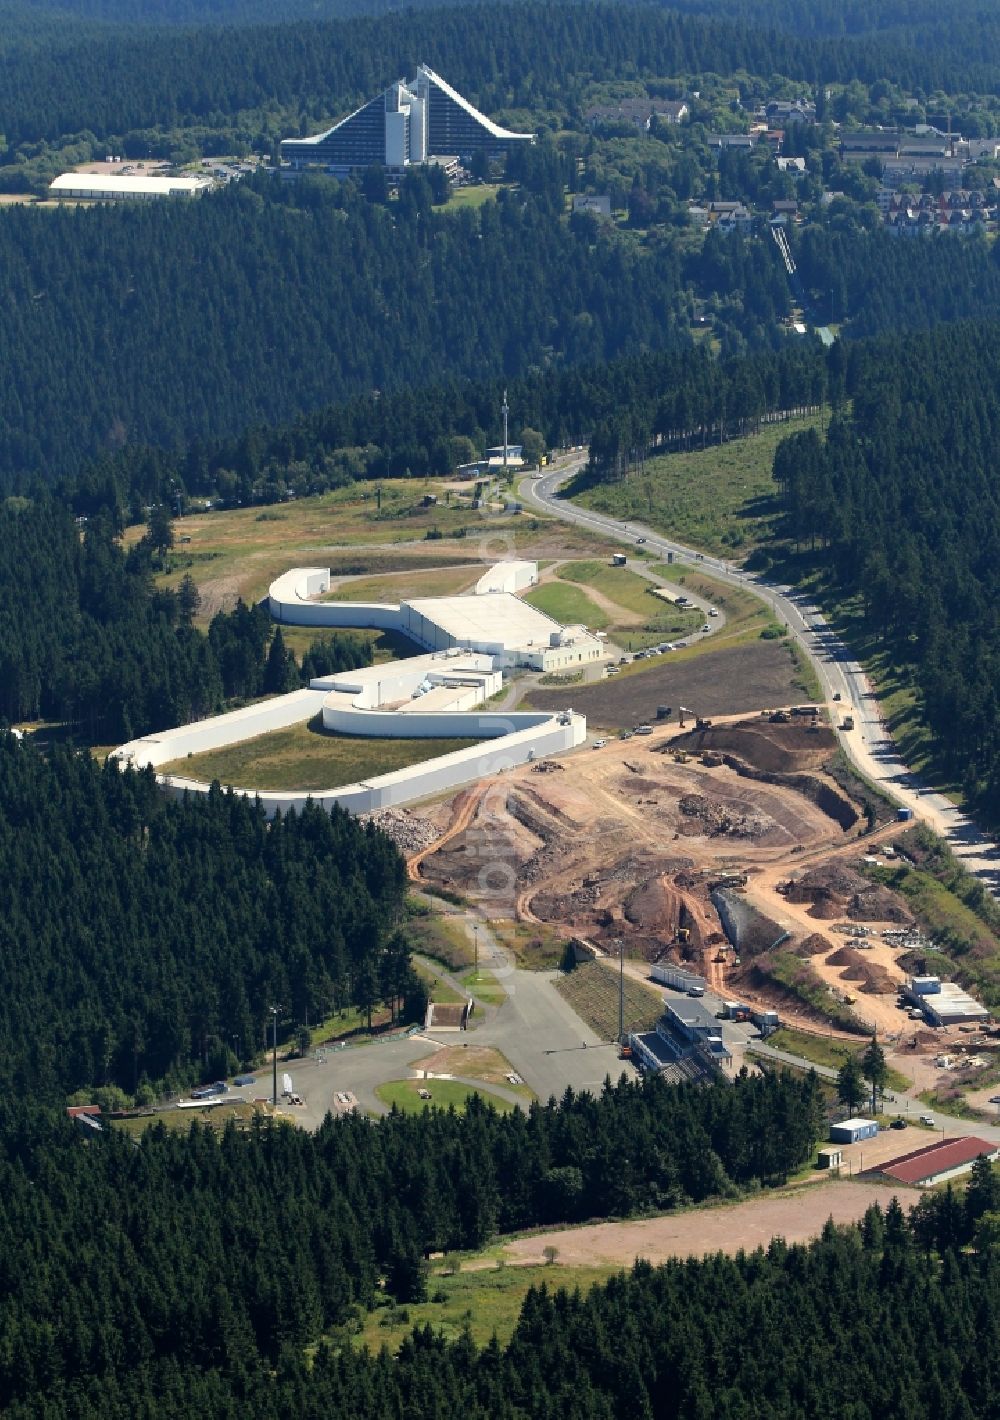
869	745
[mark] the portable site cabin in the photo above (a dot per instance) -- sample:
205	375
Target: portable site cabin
851	1131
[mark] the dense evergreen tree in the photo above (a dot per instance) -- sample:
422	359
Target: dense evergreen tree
87	639
118	84
187	1275
143	939
899	507
109	353
212	1255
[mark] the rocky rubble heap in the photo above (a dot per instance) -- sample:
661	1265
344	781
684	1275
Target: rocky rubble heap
408	831
719	818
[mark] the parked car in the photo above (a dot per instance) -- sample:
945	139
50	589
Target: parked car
927	1119
898	1124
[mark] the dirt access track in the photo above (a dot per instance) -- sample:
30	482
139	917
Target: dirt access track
793	1214
629	842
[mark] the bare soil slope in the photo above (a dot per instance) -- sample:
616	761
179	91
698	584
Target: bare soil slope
725	682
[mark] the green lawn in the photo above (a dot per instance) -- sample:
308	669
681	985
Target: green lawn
437	990
746	616
403	1094
827	1050
720	499
438	935
307	757
487	1302
239	551
627	589
473	196
484	986
660	620
535	945
401	586
568	605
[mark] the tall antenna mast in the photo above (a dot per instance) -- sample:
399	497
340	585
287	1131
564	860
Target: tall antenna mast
505	410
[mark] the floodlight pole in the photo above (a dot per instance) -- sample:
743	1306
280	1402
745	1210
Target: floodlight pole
505	408
621	993
475	938
274	1055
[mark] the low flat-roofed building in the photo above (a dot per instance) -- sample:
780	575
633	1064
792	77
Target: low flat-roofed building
947	1004
600	203
501	625
112	187
851	1131
936	1163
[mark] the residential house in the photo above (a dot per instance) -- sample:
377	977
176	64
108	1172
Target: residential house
731	140
784	112
591	202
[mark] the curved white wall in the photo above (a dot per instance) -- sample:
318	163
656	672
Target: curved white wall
437	696
512	576
221	730
420	781
289	602
439	725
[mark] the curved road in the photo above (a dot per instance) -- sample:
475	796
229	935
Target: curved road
869	745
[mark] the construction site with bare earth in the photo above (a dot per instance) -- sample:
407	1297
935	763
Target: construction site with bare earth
741	850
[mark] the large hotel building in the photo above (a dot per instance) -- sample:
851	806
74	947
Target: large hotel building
422	120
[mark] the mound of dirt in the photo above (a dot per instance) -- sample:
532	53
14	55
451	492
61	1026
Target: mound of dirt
653	904
775	748
871	978
843	956
835	890
720	819
877	904
826	888
813	946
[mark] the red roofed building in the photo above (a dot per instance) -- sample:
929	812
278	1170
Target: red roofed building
73	1110
936	1163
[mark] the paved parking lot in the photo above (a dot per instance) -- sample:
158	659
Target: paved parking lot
542	1037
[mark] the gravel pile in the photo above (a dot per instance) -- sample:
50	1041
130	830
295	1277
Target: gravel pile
722	819
408	831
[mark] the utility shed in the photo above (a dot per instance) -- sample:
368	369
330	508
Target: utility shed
850	1131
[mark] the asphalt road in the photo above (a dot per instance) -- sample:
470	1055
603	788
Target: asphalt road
869	745
544	1039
